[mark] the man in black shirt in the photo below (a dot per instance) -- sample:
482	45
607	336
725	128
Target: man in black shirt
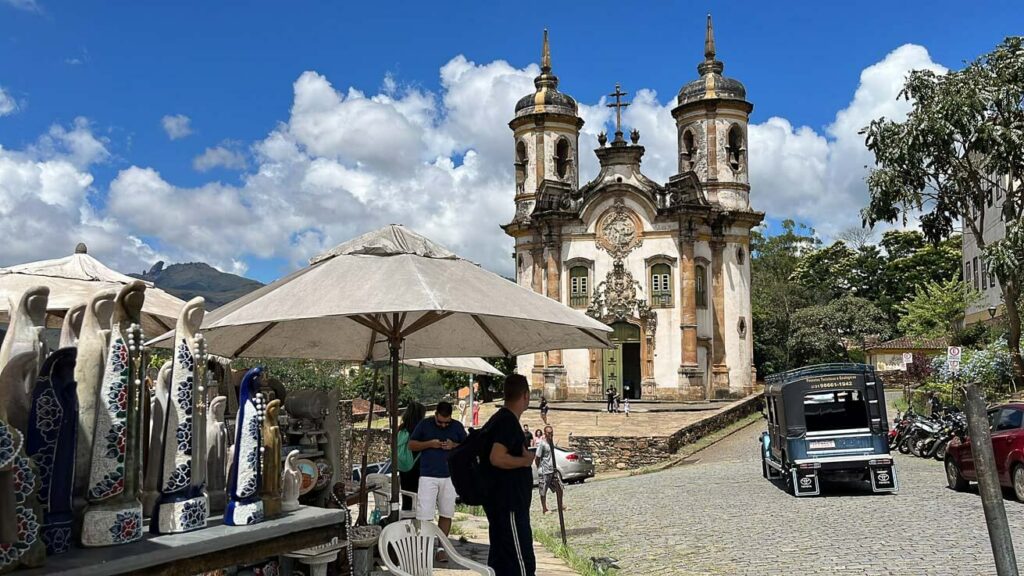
508	500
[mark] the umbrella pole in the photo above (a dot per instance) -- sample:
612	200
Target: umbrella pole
361	519
396	503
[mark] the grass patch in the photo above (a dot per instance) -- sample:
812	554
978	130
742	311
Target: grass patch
471	510
553	542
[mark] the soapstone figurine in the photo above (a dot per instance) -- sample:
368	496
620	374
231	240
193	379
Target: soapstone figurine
245	479
92	355
271	492
216	454
72	326
291	480
155	447
114	512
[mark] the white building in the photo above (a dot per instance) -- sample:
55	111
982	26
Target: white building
976	274
665	264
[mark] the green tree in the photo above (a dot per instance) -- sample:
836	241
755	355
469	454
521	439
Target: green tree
829	332
912	261
937	309
962	140
774	296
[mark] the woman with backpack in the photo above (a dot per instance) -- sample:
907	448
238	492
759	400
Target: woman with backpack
408	461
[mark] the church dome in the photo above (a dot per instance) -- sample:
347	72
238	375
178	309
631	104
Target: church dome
546	98
711	84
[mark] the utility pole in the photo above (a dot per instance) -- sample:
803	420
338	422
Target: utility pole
988	483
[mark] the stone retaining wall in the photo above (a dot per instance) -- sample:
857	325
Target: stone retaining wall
627	453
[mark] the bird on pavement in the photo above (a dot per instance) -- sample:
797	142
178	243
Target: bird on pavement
603	564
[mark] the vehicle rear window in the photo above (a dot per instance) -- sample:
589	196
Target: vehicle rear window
835	411
1010	419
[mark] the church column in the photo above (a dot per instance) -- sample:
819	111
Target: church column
689	371
719	369
554	265
537	284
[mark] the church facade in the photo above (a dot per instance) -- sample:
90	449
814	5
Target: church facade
665	264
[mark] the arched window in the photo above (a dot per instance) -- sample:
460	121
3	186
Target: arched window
689	151
521	161
736	148
700	281
741	256
661	286
579	287
562	160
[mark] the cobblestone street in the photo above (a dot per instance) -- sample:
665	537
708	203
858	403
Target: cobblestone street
717	515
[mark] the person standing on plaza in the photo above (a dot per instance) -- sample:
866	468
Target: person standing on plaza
409	461
547	472
476	413
544	409
538	435
625	406
528	435
434	438
611	399
508	469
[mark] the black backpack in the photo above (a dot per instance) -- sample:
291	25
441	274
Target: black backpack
469	467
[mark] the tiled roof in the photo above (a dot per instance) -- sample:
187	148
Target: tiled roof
910	343
361	406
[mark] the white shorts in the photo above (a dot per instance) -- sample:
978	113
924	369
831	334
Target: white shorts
435	494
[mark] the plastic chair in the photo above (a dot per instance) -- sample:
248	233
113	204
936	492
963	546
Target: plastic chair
412	542
380	485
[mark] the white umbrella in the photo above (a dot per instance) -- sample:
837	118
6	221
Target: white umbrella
393	293
465	365
73	280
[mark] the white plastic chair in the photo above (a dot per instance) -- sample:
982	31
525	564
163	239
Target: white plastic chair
380	485
412	542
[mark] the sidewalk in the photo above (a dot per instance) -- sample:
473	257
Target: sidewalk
474	529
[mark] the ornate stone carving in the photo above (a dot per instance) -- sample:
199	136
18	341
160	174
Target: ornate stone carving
619	231
615	299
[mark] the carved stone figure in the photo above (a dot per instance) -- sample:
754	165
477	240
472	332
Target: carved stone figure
291	480
183	505
114	512
216	453
20	512
271	492
92	353
51	445
245	479
155	448
72	326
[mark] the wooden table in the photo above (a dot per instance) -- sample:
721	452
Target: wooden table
217	546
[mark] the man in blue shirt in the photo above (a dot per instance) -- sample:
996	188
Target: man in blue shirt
433	438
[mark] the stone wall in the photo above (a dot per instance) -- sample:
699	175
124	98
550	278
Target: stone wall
380	445
897	379
627	453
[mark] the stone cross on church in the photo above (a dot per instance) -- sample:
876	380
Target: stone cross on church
618	105
665	264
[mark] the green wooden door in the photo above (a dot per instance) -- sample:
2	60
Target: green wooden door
613	368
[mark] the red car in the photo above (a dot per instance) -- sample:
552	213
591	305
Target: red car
1005	422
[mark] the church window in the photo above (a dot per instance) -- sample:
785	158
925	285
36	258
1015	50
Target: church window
661	286
521	160
735	148
741	327
689	152
579	287
700	286
741	256
562	159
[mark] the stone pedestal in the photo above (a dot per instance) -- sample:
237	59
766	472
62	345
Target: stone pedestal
720	382
649	389
691	384
555	386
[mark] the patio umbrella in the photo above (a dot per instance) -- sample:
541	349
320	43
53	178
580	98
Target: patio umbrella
465	365
388	294
73	280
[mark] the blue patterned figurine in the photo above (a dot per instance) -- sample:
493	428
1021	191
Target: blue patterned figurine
245	505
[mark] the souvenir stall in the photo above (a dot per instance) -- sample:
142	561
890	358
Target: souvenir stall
104	472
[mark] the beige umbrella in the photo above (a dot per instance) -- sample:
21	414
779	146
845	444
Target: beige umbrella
74	279
388	294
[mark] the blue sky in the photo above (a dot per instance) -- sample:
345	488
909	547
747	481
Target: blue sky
111	71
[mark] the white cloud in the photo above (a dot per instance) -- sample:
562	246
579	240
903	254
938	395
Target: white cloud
25	5
345	162
819	178
177	126
8	105
219	156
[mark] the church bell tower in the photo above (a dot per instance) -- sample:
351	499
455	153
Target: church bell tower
711	129
546	132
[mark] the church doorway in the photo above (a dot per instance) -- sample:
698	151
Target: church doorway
622	363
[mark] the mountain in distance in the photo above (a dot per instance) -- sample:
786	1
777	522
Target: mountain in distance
186	281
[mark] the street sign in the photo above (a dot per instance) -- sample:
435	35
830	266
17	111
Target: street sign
908	358
953	365
953	353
